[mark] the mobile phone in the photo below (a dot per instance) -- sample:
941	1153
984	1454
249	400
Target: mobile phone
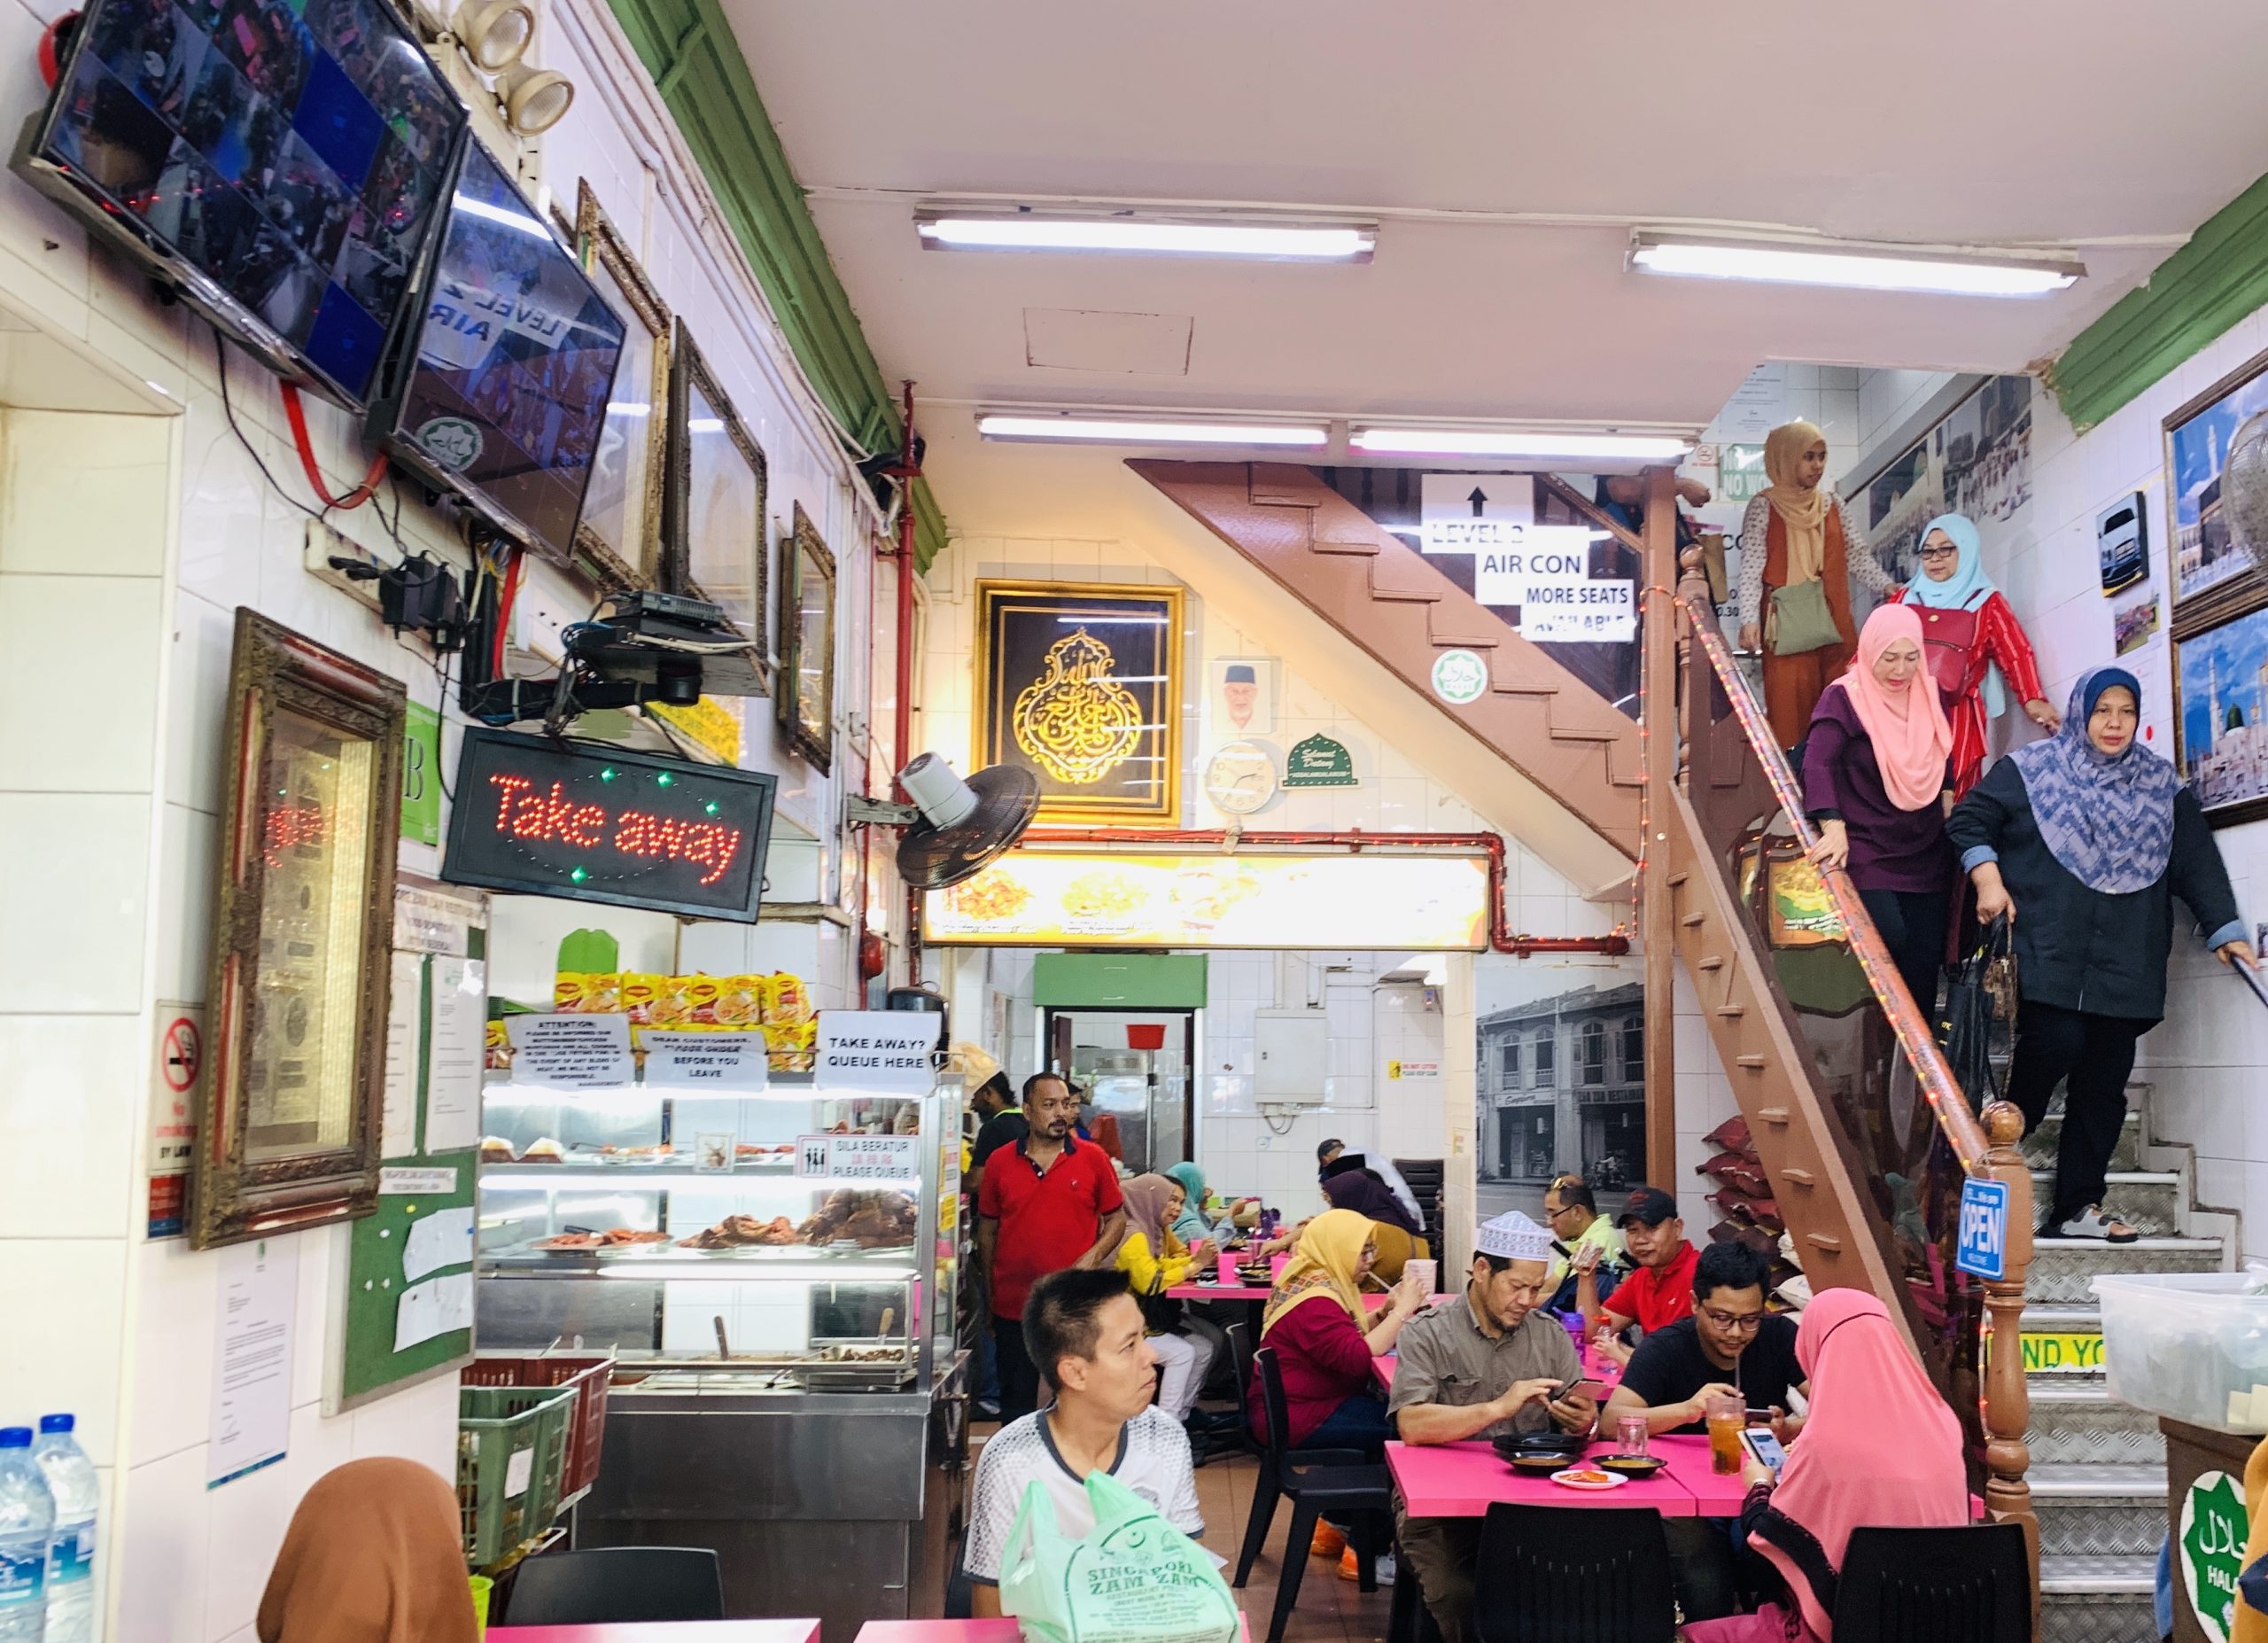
1763	1448
1760	1417
1596	1389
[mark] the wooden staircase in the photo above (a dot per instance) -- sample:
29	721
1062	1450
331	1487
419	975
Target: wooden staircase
1384	596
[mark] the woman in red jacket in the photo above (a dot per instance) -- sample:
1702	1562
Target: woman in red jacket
1975	648
1325	1340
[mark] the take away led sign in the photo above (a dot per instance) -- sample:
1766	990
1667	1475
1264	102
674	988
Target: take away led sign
591	824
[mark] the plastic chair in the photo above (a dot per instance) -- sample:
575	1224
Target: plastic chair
617	1585
1549	1574
1318	1480
1970	1585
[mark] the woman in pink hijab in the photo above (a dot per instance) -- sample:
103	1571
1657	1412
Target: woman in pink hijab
1880	1451
1877	780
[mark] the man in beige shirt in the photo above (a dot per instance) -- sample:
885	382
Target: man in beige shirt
1487	1363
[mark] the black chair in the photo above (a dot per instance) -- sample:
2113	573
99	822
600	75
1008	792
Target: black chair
1552	1575
1935	1585
617	1585
1339	1481
1240	1361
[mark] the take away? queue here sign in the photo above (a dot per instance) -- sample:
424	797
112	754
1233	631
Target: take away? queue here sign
882	1052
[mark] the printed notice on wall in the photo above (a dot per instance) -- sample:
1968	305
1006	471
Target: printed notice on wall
252	1359
397	1136
859	1158
436	1307
887	1051
454	1054
571	1052
705	1061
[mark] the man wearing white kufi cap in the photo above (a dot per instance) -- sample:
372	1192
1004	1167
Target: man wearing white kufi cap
1482	1365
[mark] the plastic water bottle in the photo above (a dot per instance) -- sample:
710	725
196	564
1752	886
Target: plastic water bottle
27	1523
71	1557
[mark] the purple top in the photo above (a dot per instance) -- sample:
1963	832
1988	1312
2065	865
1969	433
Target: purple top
1890	849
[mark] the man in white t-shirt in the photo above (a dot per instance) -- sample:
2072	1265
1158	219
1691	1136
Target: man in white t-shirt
1085	1335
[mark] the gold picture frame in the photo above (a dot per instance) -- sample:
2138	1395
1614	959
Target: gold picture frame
618	540
808	593
1081	685
714	529
2195	438
289	1102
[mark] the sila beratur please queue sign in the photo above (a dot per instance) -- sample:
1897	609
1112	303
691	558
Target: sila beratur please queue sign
590	822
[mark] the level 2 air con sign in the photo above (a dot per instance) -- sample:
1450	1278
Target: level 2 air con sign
1541	570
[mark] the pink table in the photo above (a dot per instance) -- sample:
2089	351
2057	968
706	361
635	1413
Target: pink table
1256	1295
1464	1480
1001	1631
1383	1368
680	1631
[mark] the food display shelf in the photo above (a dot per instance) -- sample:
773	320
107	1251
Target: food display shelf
657	1177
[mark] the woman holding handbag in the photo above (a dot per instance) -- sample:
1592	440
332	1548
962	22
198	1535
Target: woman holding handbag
2082	841
1799	548
1182	1359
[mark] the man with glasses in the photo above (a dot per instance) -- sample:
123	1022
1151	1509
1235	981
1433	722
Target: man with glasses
1571	1214
1489	1362
1729	1346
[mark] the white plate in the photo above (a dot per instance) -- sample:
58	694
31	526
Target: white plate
1568	1480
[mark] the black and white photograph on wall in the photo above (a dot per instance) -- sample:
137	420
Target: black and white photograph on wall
2221	717
1977	461
1560	1079
2212	573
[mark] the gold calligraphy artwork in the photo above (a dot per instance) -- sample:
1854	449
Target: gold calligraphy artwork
1076	719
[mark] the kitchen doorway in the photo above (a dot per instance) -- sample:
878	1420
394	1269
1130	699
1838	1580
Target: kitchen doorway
1134	1066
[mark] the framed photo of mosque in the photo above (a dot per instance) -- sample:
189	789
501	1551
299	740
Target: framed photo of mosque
289	1102
2211	574
2220	716
1081	686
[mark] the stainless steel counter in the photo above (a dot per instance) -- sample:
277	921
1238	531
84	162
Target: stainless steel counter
843	1505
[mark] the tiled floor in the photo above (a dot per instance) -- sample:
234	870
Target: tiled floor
1331	1611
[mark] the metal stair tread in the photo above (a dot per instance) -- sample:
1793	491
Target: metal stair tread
2098	1576
2049	1246
2090	1480
2057	1386
2125	1177
2046	1317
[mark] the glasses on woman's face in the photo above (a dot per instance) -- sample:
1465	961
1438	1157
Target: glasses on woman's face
1946	552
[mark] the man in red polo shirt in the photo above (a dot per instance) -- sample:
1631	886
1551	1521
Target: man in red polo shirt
1049	1203
1660	1292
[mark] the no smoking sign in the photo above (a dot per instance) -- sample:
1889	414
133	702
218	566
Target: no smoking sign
180	1053
179	1048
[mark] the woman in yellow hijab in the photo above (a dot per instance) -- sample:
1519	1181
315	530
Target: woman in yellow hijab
1799	547
1323	1339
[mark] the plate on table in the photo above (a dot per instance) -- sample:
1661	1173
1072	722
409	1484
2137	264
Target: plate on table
1630	1466
1587	1477
1538	1466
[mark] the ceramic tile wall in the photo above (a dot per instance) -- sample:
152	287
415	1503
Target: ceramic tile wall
2207	1063
142	545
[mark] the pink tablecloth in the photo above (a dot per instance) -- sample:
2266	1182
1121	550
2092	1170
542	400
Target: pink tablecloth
680	1631
1002	1630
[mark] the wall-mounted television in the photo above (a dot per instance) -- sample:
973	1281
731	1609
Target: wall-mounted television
283	166
502	398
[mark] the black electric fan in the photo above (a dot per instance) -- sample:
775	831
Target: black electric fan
961	825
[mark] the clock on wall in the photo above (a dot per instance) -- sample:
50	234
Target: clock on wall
1240	777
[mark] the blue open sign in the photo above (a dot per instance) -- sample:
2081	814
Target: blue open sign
1984	1249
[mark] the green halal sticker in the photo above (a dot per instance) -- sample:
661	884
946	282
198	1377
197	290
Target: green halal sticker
2214	1528
1459	677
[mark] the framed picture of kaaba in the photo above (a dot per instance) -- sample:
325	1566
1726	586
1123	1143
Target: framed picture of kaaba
1081	687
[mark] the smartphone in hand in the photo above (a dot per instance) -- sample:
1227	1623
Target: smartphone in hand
1763	1448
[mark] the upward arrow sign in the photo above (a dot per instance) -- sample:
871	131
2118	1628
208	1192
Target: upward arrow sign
1479	498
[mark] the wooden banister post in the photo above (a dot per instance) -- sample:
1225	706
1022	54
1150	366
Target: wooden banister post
1657	634
2007	1398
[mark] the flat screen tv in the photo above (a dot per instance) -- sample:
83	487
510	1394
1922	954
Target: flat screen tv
283	166
503	398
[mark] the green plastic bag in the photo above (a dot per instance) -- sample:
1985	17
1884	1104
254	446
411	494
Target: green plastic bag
1133	1578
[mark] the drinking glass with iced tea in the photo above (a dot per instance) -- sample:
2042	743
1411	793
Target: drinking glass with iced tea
1727	1417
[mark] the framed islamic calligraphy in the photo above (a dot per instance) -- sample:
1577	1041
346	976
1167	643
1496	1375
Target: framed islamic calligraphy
1081	686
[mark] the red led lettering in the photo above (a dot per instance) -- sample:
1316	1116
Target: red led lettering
525	813
287	827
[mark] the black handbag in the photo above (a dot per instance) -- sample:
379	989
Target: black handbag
1160	1313
1982	991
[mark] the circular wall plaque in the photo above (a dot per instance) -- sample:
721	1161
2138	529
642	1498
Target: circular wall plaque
1460	677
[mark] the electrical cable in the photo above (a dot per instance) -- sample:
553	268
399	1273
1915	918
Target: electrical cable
228	410
296	415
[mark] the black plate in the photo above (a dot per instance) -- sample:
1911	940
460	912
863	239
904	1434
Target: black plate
1630	1466
1539	1466
1555	1445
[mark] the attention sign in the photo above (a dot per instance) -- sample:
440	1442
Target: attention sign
593	824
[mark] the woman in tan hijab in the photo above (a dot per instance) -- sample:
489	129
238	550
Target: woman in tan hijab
374	1554
1798	550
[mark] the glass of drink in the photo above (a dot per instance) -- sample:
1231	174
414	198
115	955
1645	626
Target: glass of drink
1630	1436
1727	1418
1428	1272
1228	1270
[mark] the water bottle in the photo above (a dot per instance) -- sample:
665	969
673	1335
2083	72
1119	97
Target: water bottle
71	1558
27	1523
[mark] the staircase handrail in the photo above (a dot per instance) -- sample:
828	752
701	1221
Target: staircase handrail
1947	1100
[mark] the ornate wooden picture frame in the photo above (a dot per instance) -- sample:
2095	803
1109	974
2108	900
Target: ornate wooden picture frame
2209	578
619	537
290	1105
807	606
714	521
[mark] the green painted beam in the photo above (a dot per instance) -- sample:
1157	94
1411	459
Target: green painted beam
2193	297
688	48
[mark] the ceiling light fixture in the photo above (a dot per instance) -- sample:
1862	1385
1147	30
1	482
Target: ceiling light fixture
1853	266
1129	431
495	34
1516	443
535	100
1284	241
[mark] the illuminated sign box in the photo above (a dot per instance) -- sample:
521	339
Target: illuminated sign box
591	824
1375	900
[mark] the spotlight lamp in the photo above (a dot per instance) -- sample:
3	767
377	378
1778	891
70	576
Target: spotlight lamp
535	100
495	34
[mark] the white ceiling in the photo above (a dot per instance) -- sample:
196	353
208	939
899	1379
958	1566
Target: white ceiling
2022	122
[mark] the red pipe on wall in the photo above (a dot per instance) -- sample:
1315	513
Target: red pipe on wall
1501	936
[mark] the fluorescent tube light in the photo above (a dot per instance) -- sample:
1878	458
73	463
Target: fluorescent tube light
1294	242
1512	442
1115	431
1853	267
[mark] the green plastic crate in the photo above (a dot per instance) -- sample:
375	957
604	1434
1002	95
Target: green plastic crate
506	1500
